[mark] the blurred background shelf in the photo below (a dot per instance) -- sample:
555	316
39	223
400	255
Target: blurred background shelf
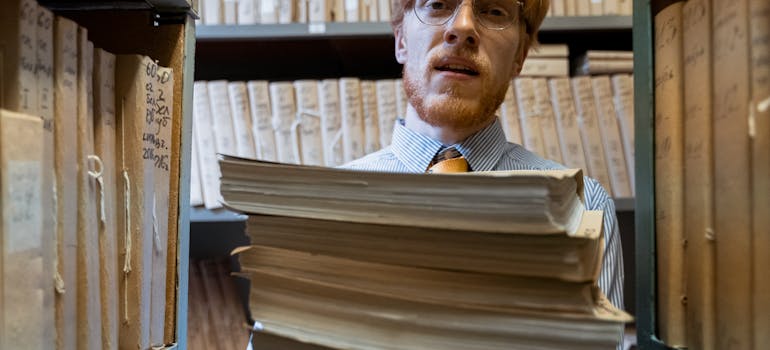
305	31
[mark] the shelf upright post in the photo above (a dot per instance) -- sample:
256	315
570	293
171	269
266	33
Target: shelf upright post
644	107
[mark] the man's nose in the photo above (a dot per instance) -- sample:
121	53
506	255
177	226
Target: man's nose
462	27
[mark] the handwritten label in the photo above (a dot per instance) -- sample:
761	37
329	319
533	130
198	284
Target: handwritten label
330	110
352	119
239	103
666	32
693	14
260	105
163	115
371	127
308	103
729	32
283	109
69	56
27	87
108	90
330	105
24	227
760	46
565	112
285	11
158	118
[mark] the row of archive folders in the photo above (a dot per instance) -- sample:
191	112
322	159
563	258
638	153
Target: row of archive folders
248	12
582	122
85	142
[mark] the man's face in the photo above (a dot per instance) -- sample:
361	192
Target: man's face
456	74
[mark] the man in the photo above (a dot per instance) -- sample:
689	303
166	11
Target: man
459	57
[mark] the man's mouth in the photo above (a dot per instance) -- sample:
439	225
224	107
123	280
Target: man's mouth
456	68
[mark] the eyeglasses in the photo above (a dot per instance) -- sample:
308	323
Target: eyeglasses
492	14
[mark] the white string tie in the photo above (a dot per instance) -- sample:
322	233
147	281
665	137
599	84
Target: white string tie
155	229
763	105
127	259
58	281
302	112
293	130
337	141
99	176
256	328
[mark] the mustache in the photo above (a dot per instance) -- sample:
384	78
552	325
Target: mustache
465	53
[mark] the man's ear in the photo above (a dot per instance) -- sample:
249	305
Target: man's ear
400	44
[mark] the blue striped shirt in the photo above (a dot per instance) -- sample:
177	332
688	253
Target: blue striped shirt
488	149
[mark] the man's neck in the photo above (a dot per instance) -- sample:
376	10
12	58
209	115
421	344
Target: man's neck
446	135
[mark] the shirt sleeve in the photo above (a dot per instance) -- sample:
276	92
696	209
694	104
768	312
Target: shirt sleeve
611	275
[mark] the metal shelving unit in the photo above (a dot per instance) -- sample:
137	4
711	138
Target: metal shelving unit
380	29
183	6
164	30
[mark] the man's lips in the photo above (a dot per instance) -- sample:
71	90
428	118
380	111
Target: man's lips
457	65
457	69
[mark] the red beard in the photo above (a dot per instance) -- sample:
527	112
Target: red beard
450	110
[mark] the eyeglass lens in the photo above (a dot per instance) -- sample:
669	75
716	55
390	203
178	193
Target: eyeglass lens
493	14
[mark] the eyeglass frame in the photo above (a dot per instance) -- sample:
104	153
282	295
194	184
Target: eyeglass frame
520	4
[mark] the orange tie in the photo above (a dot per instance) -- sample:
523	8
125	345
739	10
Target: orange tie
448	161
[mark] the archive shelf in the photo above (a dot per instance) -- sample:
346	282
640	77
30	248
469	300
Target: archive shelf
366	50
368	29
165	31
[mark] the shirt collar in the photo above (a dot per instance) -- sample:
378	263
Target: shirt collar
482	150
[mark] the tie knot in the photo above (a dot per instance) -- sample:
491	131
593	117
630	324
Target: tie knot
448	160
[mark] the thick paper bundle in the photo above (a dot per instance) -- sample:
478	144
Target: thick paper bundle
353	137
531	130
407	264
589	131
698	175
669	173
309	118
331	122
88	288
515	201
567	123
133	84
18	27
610	132
159	139
285	124
759	23
205	138
261	119
104	145
65	136
21	227
45	99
